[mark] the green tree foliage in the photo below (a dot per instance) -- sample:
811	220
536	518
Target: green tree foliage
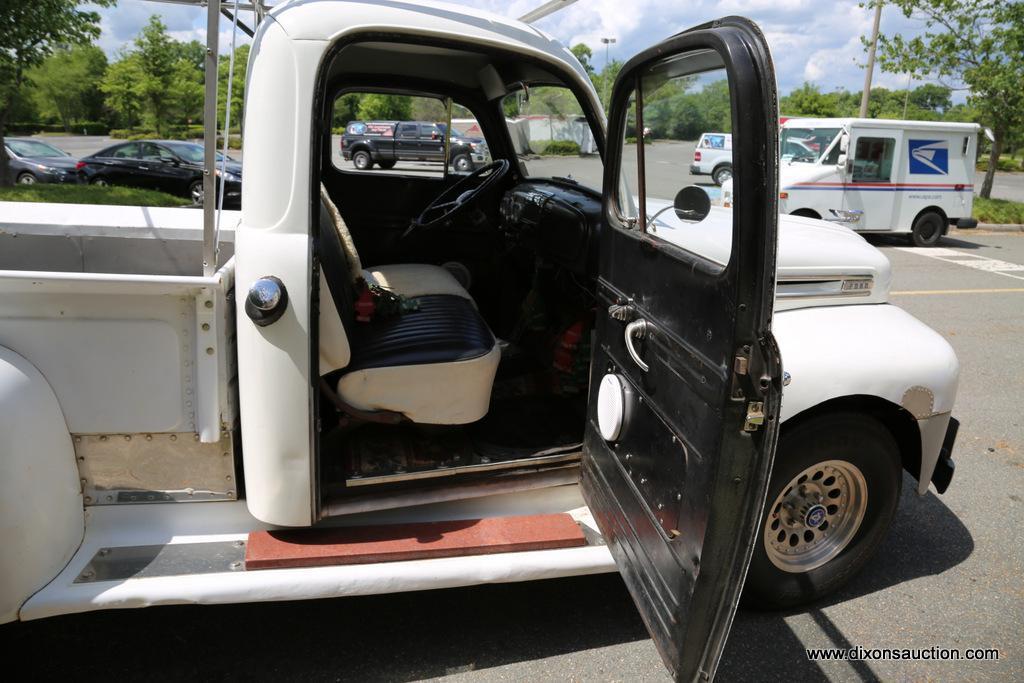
64	85
385	107
583	53
237	86
975	44
29	32
120	86
808	100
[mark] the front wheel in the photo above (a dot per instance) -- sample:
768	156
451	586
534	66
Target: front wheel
833	494
721	174
462	163
27	179
195	193
927	229
99	182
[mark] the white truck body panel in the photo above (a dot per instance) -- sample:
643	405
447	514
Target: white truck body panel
927	165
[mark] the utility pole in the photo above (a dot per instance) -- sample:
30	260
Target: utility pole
864	96
607	42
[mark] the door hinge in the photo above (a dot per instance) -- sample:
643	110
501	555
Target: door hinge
755	416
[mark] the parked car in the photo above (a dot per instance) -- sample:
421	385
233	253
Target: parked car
34	161
171	166
713	157
385	143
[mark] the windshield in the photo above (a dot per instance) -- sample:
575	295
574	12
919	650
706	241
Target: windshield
551	135
191	152
34	148
806	145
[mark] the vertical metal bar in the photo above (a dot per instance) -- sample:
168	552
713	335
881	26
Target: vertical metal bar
641	174
210	137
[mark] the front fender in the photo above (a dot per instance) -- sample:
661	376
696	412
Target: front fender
41	515
870	350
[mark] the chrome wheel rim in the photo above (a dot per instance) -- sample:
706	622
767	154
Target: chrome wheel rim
99	182
462	164
196	193
27	179
815	516
723	175
362	161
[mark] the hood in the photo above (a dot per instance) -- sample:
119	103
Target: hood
818	263
67	163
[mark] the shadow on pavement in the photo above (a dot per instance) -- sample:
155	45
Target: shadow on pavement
409	636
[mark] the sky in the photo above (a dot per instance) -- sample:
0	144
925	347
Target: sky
811	40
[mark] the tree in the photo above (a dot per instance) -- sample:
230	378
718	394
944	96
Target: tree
808	100
976	45
583	53
237	86
65	84
29	32
121	86
157	56
385	107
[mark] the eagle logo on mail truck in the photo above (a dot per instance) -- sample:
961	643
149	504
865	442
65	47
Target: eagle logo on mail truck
929	157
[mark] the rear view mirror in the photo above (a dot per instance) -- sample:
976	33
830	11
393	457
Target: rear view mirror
692	204
844	143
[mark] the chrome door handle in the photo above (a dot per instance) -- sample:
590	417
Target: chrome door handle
636	330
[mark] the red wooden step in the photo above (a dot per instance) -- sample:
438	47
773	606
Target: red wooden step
418	541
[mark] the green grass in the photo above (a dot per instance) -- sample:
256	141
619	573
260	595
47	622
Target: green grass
88	194
998	211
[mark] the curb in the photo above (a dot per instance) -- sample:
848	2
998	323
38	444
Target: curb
999	227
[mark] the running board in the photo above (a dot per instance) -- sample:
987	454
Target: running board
414	541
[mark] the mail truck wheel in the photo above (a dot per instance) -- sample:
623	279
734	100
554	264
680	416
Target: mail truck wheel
834	490
362	161
927	229
721	174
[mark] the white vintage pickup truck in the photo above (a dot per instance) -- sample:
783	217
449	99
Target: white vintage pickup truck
406	379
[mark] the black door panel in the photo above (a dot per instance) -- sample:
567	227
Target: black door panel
684	327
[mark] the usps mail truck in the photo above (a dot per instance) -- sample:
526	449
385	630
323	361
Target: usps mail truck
879	175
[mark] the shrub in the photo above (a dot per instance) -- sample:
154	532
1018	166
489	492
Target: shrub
559	148
83	128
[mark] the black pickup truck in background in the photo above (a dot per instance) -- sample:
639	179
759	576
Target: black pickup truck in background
385	143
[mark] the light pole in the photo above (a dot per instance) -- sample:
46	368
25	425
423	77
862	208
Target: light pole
866	95
607	42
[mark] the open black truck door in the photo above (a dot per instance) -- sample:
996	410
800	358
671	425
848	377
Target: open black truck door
686	376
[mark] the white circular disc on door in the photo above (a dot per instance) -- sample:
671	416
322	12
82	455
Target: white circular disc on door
611	407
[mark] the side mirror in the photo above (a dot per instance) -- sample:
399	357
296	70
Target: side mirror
844	143
692	204
841	159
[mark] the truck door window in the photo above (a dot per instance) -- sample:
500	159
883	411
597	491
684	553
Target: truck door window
389	133
872	160
679	100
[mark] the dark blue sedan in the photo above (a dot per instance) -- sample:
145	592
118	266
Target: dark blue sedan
171	166
35	161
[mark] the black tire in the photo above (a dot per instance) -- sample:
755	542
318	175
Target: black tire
387	165
806	213
27	179
196	193
928	229
846	437
362	160
462	163
721	174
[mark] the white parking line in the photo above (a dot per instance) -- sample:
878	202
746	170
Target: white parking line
989	265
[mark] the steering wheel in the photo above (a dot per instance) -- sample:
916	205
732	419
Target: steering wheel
459	197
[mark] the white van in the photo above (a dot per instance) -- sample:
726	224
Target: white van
713	157
879	175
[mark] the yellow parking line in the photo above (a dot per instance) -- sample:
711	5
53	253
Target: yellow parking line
920	292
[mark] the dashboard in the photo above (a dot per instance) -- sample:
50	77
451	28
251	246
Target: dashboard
557	219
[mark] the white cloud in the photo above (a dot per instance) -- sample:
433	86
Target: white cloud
810	40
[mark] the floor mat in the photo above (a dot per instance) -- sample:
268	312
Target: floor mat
529	426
